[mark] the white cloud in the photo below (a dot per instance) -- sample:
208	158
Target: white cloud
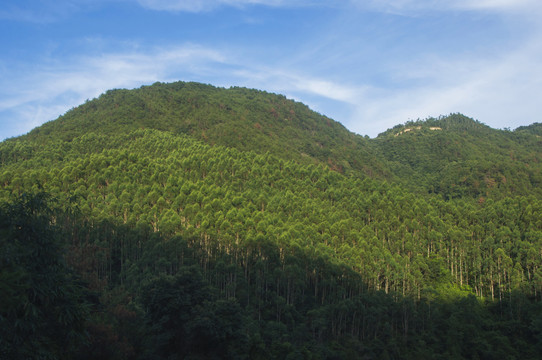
62	85
207	5
416	7
496	4
499	89
328	89
46	11
496	91
500	92
289	82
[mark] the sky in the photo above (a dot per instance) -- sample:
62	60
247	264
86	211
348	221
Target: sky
368	64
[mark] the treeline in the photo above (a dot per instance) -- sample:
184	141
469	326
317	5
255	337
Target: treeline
43	305
245	119
453	156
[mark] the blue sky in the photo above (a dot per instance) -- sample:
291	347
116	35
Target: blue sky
365	63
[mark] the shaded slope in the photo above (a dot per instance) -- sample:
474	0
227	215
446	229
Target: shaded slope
229	199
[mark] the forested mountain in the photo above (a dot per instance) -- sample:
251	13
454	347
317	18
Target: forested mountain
237	117
453	156
535	129
187	221
458	157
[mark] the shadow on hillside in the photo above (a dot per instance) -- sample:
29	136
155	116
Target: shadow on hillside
261	301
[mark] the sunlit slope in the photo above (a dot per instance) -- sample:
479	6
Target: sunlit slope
234	200
453	156
296	248
237	117
459	157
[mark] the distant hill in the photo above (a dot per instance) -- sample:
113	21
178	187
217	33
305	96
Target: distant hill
535	129
457	156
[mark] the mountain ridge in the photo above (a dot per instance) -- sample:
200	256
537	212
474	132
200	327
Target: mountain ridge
243	118
427	156
463	157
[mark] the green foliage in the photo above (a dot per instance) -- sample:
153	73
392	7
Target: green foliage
214	223
42	306
458	157
185	318
236	117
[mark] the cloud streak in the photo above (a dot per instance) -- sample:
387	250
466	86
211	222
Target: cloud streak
419	7
393	6
487	89
338	68
207	5
500	91
46	11
58	87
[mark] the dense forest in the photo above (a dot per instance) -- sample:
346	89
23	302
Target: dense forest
188	221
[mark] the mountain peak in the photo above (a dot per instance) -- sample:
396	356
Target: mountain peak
246	119
453	122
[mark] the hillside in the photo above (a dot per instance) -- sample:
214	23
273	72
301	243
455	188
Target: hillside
457	157
535	129
453	156
237	117
163	235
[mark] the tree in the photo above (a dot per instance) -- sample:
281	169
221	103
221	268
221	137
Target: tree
184	318
42	306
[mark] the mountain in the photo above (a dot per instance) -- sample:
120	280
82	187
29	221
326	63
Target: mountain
237	117
189	232
456	156
453	156
535	129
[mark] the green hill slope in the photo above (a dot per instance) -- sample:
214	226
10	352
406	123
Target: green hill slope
185	231
535	129
458	157
453	156
237	117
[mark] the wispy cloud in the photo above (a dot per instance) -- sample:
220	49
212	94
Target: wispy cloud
58	87
64	84
207	5
499	91
416	7
45	11
497	4
492	90
369	74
